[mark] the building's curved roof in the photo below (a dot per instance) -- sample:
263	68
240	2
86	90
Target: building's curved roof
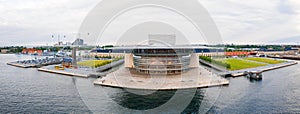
163	47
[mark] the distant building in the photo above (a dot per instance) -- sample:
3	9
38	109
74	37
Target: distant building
238	53
68	44
4	50
31	51
59	44
78	42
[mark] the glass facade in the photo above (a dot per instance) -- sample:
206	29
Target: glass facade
162	61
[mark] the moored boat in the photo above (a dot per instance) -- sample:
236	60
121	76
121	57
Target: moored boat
257	75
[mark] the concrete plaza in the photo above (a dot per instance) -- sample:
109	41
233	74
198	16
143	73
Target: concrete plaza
194	78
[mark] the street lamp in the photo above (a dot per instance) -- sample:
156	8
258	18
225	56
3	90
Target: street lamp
58	37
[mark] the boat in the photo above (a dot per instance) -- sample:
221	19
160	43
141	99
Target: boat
61	54
257	75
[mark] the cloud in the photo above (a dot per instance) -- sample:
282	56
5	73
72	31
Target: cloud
255	21
239	21
285	7
35	21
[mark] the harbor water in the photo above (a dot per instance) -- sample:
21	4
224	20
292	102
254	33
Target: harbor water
30	91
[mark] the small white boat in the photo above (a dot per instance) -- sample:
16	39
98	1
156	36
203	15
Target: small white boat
257	75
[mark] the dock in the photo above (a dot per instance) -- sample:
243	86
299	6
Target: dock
64	72
238	73
84	72
36	63
290	57
20	65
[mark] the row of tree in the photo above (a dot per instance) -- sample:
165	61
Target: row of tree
13	49
215	62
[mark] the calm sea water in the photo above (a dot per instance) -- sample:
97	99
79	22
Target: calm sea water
30	91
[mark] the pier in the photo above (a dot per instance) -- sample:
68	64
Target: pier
84	72
243	72
64	72
290	57
36	63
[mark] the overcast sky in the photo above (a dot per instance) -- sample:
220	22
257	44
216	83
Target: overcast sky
32	22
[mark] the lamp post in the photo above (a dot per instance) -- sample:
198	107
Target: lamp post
74	56
58	38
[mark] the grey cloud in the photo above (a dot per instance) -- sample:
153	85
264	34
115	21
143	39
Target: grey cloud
239	21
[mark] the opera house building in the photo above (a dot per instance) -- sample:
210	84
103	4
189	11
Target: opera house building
161	60
160	66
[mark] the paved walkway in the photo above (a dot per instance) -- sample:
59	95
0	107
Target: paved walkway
81	72
84	72
195	78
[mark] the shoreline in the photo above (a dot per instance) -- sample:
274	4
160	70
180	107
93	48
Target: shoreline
20	65
237	73
63	73
195	78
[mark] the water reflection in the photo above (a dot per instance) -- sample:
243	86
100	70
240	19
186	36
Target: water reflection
30	91
255	80
142	102
194	106
197	104
155	102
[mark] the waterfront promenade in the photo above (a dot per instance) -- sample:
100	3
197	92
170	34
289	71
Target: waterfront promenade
194	78
84	72
36	63
237	73
68	72
223	72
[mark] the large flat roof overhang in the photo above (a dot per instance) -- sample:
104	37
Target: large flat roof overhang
162	47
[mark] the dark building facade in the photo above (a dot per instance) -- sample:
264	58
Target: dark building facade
78	42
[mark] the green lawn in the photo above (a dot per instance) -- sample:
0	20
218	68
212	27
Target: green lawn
265	60
238	64
94	63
